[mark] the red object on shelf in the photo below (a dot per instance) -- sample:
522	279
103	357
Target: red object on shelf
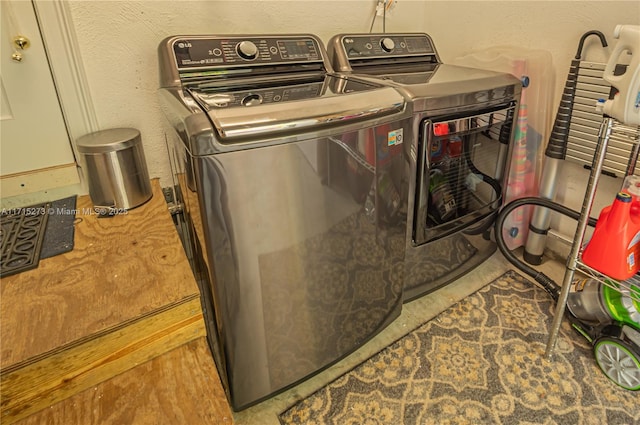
439	144
614	248
454	147
441	129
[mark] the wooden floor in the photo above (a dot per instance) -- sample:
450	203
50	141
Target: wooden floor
110	332
120	268
179	387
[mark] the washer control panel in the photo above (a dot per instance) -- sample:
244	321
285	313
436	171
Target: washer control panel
256	97
387	45
225	52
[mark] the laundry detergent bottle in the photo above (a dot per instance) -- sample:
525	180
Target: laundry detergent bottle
625	105
614	248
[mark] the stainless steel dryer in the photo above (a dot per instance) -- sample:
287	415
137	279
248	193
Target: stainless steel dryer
461	137
290	182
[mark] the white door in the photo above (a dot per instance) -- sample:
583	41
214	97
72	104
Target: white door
35	151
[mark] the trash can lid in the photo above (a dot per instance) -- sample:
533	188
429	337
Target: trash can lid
111	140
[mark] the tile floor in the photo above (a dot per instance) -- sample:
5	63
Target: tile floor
413	315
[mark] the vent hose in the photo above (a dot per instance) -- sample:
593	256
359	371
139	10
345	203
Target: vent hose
545	281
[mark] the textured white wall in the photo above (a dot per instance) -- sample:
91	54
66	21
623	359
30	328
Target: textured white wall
118	39
118	42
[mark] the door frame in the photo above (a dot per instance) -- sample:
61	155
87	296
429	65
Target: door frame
63	53
65	64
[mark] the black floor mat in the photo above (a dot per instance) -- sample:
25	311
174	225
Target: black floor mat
58	237
22	230
29	234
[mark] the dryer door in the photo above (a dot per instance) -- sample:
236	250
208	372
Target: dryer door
462	162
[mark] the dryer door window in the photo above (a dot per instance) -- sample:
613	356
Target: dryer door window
460	170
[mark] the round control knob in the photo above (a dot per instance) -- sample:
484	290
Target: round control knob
251	100
247	50
387	44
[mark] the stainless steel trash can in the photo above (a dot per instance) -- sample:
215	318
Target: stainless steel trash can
115	168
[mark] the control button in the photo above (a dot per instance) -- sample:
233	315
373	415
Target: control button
217	52
387	44
368	46
273	50
247	50
252	100
277	98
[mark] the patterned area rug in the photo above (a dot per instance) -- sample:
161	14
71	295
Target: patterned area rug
479	362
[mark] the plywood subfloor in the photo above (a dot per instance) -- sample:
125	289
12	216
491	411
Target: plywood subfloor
120	268
179	387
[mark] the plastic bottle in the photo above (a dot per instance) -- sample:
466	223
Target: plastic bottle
625	106
442	206
439	143
631	185
614	248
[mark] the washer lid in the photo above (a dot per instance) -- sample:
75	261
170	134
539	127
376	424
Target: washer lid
110	140
273	110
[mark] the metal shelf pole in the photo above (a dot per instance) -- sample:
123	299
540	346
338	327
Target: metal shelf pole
572	261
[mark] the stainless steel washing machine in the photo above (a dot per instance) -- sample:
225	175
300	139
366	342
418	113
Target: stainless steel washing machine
459	150
290	181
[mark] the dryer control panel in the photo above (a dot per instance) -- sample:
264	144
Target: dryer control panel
358	46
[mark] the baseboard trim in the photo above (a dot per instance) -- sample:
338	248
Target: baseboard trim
39	180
